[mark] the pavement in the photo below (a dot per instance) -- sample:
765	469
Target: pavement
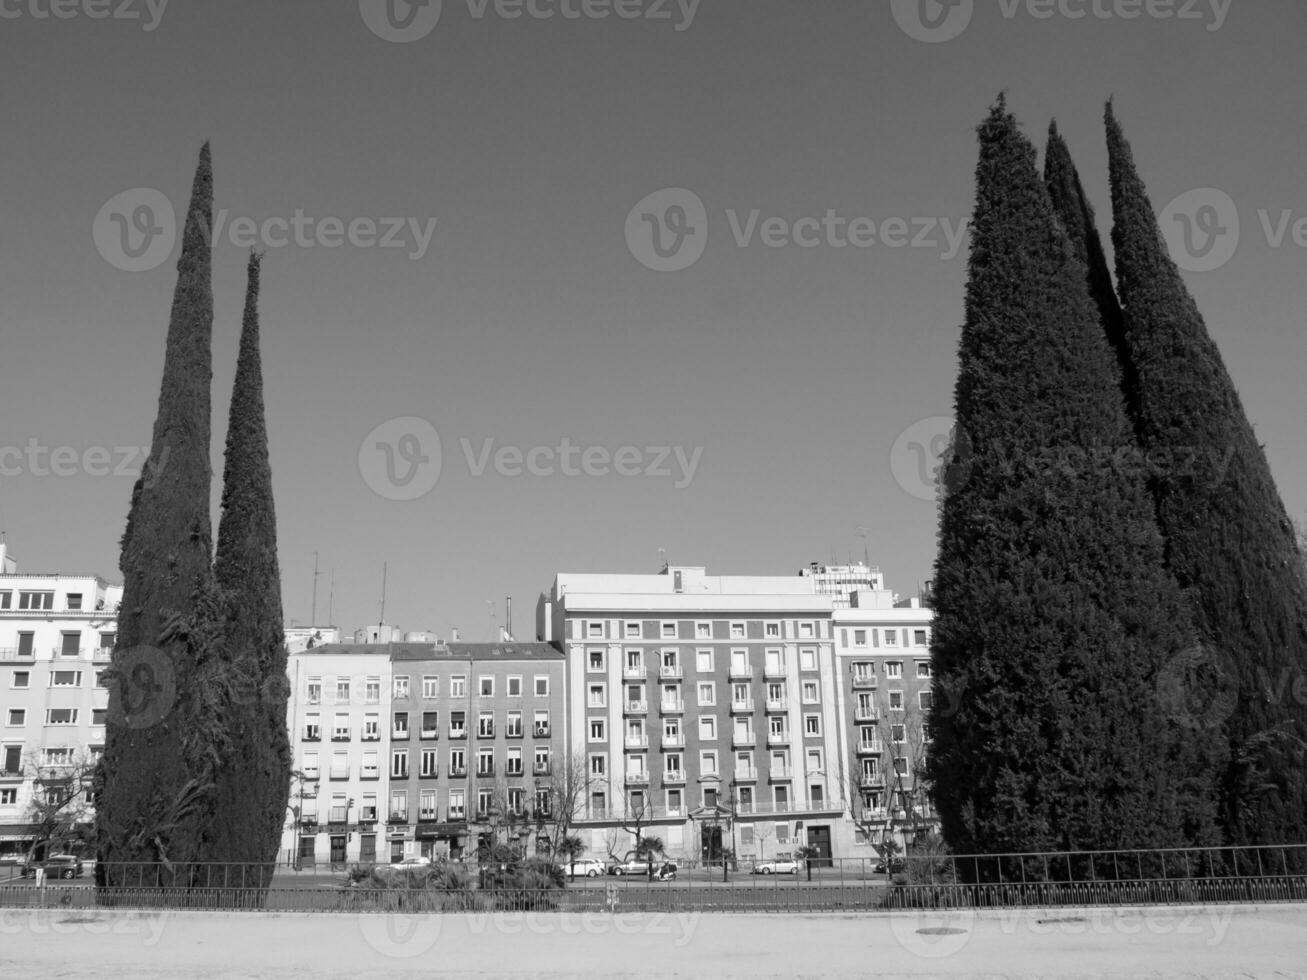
1268	941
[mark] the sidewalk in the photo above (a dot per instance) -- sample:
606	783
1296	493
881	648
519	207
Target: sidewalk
1216	942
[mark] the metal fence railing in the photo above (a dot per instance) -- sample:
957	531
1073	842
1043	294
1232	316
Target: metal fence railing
914	881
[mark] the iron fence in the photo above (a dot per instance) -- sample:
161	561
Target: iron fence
915	881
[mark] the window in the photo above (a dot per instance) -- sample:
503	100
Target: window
5	599
634	662
485	800
542	685
635	732
740	696
671	695
776	726
399	806
743	731
707	693
340	727
457	724
515	797
70	644
427	805
805	631
399	688
924	700
541	724
513	762
891	638
107	642
371	728
864	672
703	631
807	658
17	716
22	679
737	631
669	631
894	668
596	729
812	724
595	659
61	716
457	804
594	629
66	678
542	760
896	733
597	696
708	763
372	690
458	762
35	600
772	630
485	762
25	644
430	686
896	700
312	727
342	690
430	724
814	760
98	716
773	663
58	757
674	802
703	661
515	687
919	638
810	692
598	764
513	726
340	765
430	766
74	600
901	766
8	797
631	629
859	638
399	763
776	694
368	812
400	729
486	724
486	686
371	766
12	762
314	692
707	728
923	668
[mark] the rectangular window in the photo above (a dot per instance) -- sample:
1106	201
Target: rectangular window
772	630
515	687
22	679
707	693
314	690
61	716
737	631
400	725
5	599
896	733
513	762
810	692
458	686
891	638
594	629
35	600
595	659
427	805
707	728
342	690
340	765
457	804
399	688
25	641
805	631
430	724
486	686
807	658
399	806
372	728
597	696
703	631
540	726
923	668
430	763
66	678
812	724
513	726
919	638
485	800
372	690
8	797
596	729
17	716
371	766
542	760
457	762
894	669
340	727
430	686
74	601
708	763
312	727
703	661
399	763
859	638
542	685
485	762
669	631
598	764
631	629
457	724
99	715
924	700
70	644
486	724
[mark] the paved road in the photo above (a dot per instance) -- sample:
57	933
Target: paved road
1211	942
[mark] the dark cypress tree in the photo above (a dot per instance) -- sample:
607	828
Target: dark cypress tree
251	785
1230	542
1072	207
148	799
1053	610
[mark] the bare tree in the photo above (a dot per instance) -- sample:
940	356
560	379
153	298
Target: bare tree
61	804
636	817
909	798
568	787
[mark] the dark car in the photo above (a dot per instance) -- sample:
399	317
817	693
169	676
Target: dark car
56	866
895	866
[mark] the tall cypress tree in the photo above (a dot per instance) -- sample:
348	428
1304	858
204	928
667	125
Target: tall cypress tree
1072	207
147	797
1053	610
1230	542
252	784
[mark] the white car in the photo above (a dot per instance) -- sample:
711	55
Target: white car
780	866
413	863
585	868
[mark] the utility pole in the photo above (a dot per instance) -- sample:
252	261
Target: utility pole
313	617
382	623
866	557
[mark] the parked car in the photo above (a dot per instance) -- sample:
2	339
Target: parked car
895	866
585	868
413	863
778	866
56	866
631	866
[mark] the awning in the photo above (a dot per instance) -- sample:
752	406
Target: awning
441	829
11	832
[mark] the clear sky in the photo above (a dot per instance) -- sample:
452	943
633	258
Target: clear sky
786	373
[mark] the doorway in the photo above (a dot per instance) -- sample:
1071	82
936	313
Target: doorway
819	837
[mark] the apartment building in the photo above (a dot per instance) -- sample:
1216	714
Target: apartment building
883	651
706	708
476	730
56	634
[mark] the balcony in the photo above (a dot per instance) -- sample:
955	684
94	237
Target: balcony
457	731
778	738
637	778
871	748
370	737
781	772
637	707
673	776
513	731
397	735
634	672
430	733
676	707
636	741
778	704
741	672
746	774
486	769
540	730
871	780
669	670
457	814
676	741
486	731
458	772
739	738
370	773
866	714
540	769
311	735
864	682
511	770
339	773
774	670
398	816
